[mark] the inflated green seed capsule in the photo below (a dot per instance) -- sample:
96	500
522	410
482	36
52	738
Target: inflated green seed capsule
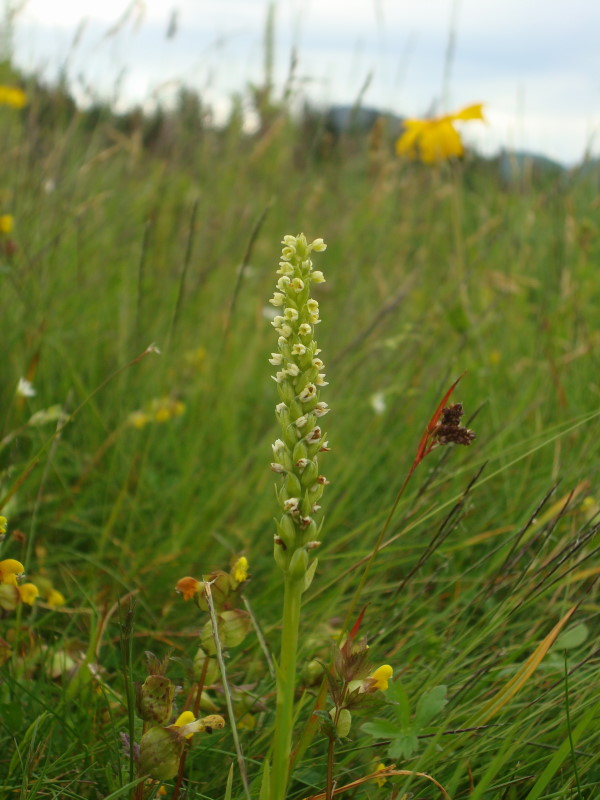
154	699
344	722
160	751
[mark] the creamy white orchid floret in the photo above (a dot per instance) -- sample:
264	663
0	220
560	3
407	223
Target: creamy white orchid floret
276	467
298	349
297	284
291	314
318	245
288	253
301	421
276	359
281	341
278	446
283	282
280	408
302	463
317	276
322	479
280	376
312	306
320	380
289	240
314	435
285	331
316	362
285	269
276	321
305	329
307	393
278	299
321	409
291	504
293	369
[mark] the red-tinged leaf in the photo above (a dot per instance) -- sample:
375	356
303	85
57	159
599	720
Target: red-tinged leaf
356	626
422	448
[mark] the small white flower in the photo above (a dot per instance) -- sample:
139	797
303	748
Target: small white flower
306	264
297	284
325	449
280	408
298	349
320	380
25	388
288	253
312	306
276	359
377	402
285	269
318	245
301	421
322	479
314	508
317	276
291	505
277	467
307	393
293	369
316	362
302	463
313	436
280	376
278	299
276	321
289	240
290	314
305	521
285	331
283	282
281	341
305	329
321	409
278	446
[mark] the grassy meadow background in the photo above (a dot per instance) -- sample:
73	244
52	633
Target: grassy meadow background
137	230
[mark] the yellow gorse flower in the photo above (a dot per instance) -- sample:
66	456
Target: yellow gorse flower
240	570
28	593
436	139
12	96
7	222
381	677
10	568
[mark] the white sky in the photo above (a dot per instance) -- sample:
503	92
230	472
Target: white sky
534	63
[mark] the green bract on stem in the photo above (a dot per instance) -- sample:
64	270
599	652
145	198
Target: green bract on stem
299	378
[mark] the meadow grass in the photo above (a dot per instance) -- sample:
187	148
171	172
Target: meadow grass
430	272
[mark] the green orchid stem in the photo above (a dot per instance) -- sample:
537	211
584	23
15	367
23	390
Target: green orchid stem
286	686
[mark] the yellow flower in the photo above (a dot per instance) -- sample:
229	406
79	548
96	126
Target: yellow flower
381	780
138	419
380	677
7	221
9	569
12	96
184	719
28	592
188	587
3	524
240	570
54	598
433	140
